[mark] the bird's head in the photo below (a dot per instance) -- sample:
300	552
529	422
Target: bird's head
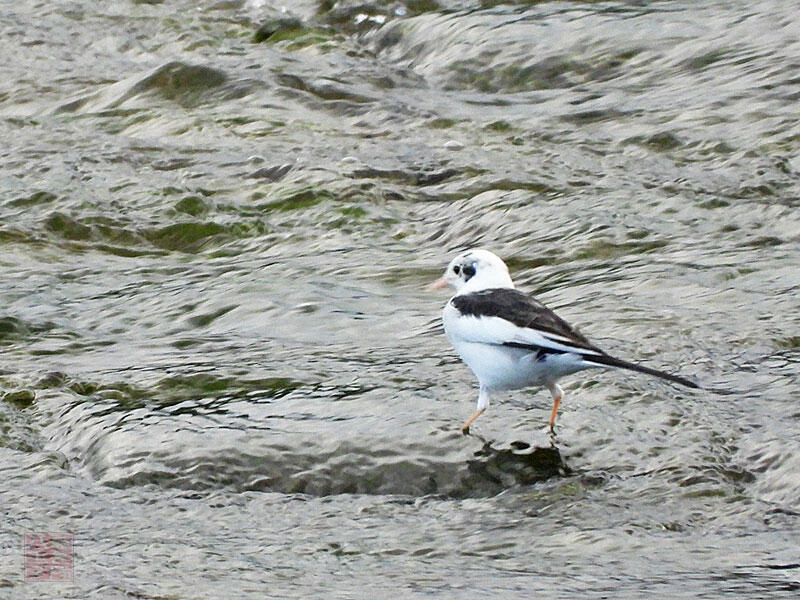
475	270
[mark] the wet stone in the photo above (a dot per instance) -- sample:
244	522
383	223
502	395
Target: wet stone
518	465
20	398
275	29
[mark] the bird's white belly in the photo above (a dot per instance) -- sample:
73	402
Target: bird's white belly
500	367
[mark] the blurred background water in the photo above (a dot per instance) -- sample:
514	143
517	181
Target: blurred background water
221	372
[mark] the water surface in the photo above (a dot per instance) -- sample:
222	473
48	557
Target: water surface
221	369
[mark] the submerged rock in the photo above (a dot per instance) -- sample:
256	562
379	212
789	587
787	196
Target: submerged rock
20	398
279	29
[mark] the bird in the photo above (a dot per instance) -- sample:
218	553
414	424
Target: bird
511	340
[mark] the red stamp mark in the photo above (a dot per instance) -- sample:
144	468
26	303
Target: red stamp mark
48	557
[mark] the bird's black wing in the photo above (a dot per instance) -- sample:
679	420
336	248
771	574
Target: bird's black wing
523	311
526	312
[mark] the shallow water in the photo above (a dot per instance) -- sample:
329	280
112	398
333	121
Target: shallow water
221	369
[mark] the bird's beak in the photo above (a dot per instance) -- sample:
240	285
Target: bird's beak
439	284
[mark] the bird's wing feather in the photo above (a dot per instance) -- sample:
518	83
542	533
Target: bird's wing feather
506	316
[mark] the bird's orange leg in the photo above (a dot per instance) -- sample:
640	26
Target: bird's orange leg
483	404
554	413
557	394
465	428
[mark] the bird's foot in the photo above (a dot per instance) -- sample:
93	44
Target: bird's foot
465	428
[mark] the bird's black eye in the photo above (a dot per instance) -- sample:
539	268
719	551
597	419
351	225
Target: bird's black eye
456	269
468	272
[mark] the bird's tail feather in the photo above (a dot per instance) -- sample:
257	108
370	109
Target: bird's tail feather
610	361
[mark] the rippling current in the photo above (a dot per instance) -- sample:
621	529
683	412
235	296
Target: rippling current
221	372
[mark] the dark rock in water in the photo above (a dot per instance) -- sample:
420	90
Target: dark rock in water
275	173
497	469
186	84
411	176
12	328
349	468
437	177
53	379
172	164
278	29
20	398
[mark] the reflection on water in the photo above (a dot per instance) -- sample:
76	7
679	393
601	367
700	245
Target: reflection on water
217	220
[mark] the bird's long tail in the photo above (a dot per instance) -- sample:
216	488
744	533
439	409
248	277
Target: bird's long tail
610	361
